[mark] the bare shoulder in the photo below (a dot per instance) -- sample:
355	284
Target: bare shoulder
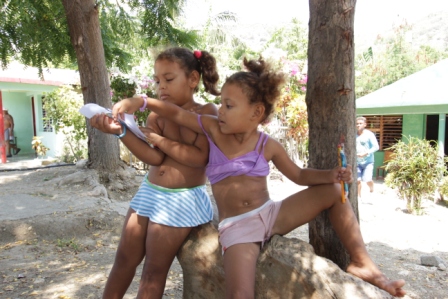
207	108
273	148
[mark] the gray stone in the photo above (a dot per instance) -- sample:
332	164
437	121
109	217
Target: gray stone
39	280
82	164
286	268
433	261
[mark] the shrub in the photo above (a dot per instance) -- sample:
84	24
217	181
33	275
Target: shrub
124	86
415	170
443	189
62	107
38	146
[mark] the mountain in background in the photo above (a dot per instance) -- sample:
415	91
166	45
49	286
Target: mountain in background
431	30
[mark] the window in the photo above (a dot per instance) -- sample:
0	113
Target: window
47	123
387	128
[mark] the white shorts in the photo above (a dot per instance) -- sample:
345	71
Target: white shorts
250	227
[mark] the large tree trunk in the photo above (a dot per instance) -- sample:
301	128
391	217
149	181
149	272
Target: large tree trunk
85	34
330	102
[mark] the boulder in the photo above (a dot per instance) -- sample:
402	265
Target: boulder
286	268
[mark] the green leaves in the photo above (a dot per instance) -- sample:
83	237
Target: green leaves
62	106
293	38
392	59
415	170
35	32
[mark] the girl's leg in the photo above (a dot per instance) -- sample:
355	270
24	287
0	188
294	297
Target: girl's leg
240	262
130	253
304	206
162	244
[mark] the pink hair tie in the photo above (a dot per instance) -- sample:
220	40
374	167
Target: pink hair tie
197	54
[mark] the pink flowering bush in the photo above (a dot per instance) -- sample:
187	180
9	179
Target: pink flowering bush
124	86
291	109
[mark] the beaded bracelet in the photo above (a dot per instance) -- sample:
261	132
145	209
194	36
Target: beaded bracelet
144	97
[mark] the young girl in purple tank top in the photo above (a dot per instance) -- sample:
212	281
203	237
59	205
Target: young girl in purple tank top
247	215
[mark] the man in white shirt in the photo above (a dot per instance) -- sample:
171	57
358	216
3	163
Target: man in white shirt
366	145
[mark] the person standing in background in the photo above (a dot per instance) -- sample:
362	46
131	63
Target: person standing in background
366	145
8	126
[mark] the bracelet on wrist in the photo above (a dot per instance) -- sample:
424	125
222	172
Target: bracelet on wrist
123	126
144	97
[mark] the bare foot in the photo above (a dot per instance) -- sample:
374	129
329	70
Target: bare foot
374	276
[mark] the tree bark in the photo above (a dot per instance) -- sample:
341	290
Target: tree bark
85	35
330	100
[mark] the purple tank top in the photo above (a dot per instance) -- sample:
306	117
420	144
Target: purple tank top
220	167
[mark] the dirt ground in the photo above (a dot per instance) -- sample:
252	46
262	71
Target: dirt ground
59	236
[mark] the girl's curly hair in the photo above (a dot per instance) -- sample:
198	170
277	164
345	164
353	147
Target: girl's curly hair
260	83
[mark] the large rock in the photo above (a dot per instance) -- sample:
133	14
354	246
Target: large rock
286	268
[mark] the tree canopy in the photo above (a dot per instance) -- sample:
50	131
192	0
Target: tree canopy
35	32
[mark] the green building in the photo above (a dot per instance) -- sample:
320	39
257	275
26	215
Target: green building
413	106
22	93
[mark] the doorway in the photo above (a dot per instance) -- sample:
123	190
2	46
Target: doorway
432	130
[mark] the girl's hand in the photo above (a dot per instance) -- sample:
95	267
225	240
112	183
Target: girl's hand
343	174
106	124
151	136
129	106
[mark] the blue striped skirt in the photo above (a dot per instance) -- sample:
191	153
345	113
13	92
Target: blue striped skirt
183	207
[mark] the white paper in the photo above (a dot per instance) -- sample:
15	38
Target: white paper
89	110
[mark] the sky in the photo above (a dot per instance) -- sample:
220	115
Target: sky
371	16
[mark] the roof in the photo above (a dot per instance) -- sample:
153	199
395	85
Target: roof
18	73
420	93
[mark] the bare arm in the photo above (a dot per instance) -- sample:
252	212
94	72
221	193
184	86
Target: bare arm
138	147
170	111
375	146
305	176
12	125
194	155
